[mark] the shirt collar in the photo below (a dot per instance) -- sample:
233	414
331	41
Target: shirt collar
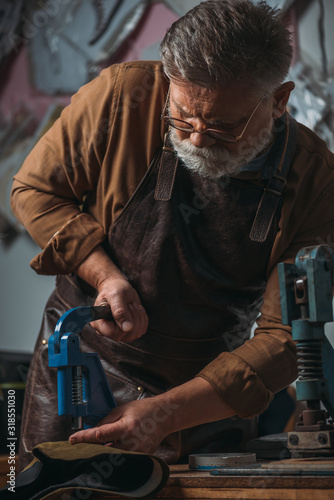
264	166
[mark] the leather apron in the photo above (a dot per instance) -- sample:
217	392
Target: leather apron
200	278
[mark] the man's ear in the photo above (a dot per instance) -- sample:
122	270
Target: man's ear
281	97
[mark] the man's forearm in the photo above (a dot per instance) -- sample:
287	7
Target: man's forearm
193	403
97	268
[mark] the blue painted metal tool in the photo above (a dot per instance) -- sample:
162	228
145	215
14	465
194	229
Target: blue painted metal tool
83	389
306	304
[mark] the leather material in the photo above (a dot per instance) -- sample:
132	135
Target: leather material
283	148
167	171
61	469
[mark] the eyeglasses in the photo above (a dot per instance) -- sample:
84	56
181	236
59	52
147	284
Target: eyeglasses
219	135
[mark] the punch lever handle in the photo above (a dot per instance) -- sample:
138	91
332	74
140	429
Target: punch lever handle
103	311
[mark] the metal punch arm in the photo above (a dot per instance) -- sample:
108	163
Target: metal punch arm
83	389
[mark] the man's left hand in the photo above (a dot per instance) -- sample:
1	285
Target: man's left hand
142	424
139	425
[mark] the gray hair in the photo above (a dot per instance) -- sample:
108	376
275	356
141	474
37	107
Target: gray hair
229	42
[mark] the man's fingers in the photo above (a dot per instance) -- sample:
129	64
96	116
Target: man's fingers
109	329
101	434
124	329
88	436
130	318
123	317
123	321
104	327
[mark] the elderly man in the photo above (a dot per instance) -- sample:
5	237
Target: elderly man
171	190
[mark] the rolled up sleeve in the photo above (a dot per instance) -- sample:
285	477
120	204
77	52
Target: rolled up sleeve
72	233
49	191
69	246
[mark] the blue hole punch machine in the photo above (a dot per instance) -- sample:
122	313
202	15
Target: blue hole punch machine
83	389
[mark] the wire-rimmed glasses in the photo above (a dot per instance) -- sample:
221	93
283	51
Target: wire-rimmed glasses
219	135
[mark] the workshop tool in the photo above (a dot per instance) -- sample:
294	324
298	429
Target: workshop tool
208	461
306	304
83	389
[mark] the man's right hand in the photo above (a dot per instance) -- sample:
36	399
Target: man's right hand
130	317
113	288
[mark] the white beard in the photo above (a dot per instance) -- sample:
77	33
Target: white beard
215	161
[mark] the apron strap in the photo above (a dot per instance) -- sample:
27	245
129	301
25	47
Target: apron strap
273	191
167	171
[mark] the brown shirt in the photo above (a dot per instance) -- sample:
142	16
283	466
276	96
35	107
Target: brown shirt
83	171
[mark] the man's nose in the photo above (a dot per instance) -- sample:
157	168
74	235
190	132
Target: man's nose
201	139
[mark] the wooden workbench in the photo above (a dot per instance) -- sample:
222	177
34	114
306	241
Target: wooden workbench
186	484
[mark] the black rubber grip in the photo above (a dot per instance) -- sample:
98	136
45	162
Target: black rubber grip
102	312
